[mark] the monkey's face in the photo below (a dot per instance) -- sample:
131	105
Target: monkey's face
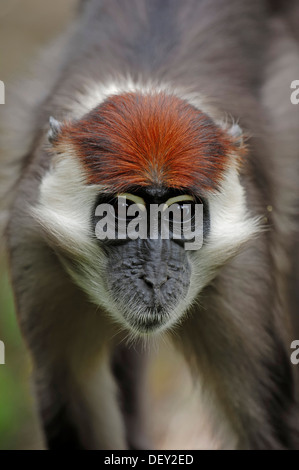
148	278
159	149
146	285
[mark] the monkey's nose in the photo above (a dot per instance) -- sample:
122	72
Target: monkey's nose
155	277
155	283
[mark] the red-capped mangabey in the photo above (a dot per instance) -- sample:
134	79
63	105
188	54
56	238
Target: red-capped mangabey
148	98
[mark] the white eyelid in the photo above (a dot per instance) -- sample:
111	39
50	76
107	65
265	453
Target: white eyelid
132	197
173	200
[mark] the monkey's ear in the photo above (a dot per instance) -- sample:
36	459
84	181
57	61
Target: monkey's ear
54	131
236	132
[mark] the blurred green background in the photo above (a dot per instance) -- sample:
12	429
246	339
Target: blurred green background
18	427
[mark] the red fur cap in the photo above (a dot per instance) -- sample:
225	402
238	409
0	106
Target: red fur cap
149	139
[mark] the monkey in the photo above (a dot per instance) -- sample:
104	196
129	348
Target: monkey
160	101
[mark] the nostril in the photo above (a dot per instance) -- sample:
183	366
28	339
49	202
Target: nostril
155	282
148	281
155	275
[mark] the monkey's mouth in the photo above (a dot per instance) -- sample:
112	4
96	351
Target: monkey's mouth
150	320
144	309
147	311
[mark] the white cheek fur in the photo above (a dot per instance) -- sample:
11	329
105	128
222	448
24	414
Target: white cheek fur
65	211
231	227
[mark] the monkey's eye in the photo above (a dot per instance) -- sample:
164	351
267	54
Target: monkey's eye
126	205
179	209
187	211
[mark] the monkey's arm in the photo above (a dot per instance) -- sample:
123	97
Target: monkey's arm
236	343
66	335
